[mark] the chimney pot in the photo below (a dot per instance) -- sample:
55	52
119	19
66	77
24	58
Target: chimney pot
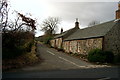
77	23
61	30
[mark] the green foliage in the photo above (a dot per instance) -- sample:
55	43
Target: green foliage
97	55
29	45
47	39
16	44
117	58
109	56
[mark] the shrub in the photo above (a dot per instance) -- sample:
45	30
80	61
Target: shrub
97	55
29	46
47	39
16	43
109	56
117	58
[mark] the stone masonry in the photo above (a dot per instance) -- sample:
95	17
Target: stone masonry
112	39
82	46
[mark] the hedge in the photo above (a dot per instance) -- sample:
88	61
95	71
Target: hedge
15	44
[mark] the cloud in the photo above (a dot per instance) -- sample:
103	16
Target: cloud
85	0
69	10
85	11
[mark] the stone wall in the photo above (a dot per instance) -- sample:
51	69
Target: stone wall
56	43
73	46
66	47
52	43
59	43
112	40
82	46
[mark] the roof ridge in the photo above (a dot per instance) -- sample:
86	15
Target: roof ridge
98	24
94	31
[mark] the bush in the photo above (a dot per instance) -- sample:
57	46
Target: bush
47	40
97	55
12	52
117	58
29	46
109	56
15	44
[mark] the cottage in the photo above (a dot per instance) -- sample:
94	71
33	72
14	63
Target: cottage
57	41
104	36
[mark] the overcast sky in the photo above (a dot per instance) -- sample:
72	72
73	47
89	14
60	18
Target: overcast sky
68	11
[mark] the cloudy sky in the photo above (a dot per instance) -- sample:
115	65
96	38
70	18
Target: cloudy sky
67	11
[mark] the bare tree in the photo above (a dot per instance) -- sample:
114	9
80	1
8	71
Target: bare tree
28	21
92	23
3	14
50	25
22	23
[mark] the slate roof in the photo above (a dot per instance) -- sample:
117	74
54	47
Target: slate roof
60	35
94	31
66	33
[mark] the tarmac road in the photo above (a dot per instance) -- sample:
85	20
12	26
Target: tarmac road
59	65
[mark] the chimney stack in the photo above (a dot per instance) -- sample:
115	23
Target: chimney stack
77	23
118	11
61	30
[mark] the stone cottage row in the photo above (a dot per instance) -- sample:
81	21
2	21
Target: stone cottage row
105	36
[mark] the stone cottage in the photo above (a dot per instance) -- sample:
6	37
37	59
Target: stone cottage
57	41
105	36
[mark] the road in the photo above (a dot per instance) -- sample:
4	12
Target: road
60	65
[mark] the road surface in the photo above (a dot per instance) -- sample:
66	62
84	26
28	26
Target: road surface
59	65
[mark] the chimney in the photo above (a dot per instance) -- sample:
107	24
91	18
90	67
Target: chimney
61	30
118	11
77	23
